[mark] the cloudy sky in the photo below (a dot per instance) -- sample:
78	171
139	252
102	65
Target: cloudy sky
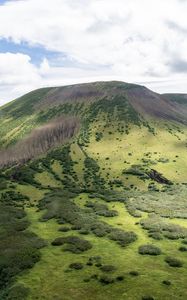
59	42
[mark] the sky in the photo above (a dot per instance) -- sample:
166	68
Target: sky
53	43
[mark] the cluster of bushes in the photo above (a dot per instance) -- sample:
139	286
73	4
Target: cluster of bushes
174	262
73	244
23	175
98	136
64	157
92	176
149	250
123	238
19	248
137	170
159	228
12	197
61	206
101	209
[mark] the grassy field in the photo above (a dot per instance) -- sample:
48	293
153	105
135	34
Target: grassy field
143	275
99	189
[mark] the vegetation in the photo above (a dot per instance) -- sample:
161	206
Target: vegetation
101	212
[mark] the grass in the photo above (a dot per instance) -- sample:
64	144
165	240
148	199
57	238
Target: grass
114	151
54	262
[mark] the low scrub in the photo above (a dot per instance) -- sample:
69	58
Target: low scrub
149	250
173	262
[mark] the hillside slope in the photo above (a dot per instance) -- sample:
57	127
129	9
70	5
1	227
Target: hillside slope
103	213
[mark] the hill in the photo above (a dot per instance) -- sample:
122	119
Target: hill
93	194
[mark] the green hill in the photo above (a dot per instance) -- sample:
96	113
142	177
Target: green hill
98	211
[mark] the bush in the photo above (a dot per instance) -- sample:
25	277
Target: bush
108	268
120	278
147	298
64	229
123	238
105	279
74	244
183	249
173	262
134	273
76	266
149	250
166	282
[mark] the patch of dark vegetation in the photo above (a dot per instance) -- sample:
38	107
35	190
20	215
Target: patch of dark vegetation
173	262
123	238
108	268
73	244
134	273
143	172
147	297
23	175
98	136
60	205
101	209
14	198
64	229
92	176
166	282
183	249
149	250
120	278
19	248
106	279
76	266
64	157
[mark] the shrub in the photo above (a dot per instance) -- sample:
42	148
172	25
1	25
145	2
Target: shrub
147	298
74	244
166	282
149	249
183	249
76	266
123	238
134	273
105	279
64	229
108	268
173	262
120	278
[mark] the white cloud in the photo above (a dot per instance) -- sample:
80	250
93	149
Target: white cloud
132	40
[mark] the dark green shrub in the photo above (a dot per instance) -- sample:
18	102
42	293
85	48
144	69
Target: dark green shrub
76	266
105	279
166	282
73	244
108	268
149	250
173	262
134	273
147	298
123	238
120	278
183	249
64	229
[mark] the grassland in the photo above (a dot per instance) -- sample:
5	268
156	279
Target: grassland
98	188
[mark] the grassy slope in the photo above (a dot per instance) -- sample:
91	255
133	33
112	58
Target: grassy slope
49	278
